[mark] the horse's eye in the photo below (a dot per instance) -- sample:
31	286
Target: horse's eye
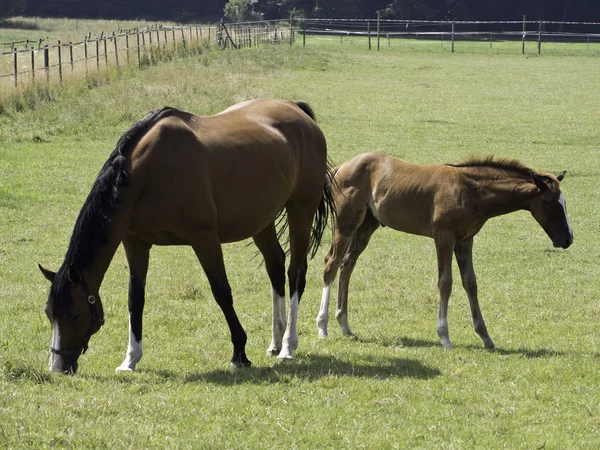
76	316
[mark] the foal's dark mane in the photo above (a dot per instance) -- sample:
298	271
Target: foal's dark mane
496	163
93	223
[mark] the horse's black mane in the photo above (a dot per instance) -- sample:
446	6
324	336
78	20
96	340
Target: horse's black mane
92	226
496	163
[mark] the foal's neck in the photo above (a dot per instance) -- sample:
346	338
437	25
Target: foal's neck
499	192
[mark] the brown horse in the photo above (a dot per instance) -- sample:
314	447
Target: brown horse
176	178
449	203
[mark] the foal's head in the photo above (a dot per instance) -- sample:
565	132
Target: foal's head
75	315
549	208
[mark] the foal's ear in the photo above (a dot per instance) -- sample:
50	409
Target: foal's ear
540	182
74	275
48	274
561	175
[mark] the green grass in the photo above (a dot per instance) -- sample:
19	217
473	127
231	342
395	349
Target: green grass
393	386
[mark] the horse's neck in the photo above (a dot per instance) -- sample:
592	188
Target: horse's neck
502	195
95	270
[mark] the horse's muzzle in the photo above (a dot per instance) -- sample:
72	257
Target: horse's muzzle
63	364
563	243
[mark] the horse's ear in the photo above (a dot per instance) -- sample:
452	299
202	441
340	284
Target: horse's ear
561	175
74	275
48	274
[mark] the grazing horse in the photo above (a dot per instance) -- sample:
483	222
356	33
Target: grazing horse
449	203
176	178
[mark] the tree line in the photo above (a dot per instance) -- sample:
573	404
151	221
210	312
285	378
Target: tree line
212	10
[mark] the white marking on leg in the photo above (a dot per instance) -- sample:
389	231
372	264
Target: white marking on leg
290	338
278	323
563	203
323	316
134	354
55	344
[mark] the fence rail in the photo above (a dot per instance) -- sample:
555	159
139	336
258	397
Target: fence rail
23	62
377	29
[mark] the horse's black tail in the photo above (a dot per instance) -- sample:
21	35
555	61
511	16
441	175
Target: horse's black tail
325	210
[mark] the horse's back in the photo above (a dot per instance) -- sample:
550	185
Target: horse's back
235	170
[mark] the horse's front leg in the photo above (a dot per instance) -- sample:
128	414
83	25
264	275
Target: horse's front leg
464	257
138	254
444	245
210	254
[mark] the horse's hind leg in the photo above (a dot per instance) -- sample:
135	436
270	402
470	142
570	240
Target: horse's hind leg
210	254
274	256
300	219
464	257
137	253
358	245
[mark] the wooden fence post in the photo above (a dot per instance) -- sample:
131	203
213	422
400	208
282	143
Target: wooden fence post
183	39
59	63
47	63
369	32
15	65
127	45
71	56
524	34
540	38
85	55
105	52
304	34
116	49
137	34
174	40
378	24
453	36
32	64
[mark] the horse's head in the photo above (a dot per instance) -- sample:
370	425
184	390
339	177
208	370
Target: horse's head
75	314
549	208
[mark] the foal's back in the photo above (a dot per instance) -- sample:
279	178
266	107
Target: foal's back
403	196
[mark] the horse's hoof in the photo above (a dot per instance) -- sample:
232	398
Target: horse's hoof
273	351
240	362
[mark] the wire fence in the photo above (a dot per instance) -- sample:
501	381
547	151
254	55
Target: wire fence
373	32
28	62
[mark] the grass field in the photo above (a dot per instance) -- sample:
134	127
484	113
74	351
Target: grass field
393	385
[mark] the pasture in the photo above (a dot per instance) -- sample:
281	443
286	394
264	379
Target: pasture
391	386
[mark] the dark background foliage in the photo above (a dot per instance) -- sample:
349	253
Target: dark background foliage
211	10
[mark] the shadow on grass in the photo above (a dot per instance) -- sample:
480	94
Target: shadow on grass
310	368
526	352
421	343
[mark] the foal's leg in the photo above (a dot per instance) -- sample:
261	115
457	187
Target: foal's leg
464	256
274	256
345	226
210	254
444	245
358	245
137	253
